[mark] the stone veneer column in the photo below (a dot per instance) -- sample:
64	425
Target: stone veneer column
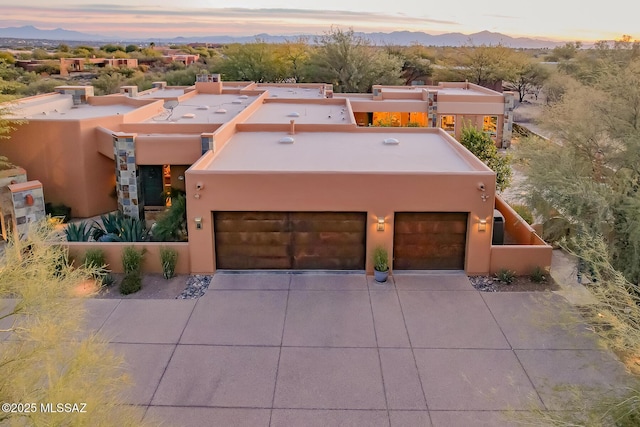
432	115
128	182
28	205
507	126
207	142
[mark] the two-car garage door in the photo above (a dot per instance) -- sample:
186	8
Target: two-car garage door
336	240
290	240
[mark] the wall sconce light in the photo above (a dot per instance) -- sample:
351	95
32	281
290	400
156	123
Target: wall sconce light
198	221
482	225
380	224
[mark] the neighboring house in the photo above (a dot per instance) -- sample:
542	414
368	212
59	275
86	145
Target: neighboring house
74	65
282	176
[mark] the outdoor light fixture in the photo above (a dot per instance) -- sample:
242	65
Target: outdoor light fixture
482	225
380	226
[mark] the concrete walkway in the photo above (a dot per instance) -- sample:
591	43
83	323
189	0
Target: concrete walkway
338	349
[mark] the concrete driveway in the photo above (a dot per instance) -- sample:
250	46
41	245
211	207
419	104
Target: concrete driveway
338	349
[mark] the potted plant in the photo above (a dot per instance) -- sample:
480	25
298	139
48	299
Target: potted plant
380	264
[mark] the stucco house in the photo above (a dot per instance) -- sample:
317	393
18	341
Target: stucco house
287	176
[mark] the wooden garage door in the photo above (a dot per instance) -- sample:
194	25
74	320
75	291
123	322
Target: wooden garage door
429	240
290	240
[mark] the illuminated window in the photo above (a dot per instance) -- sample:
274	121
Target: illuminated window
448	123
490	125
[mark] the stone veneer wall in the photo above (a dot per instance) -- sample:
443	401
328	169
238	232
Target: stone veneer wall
128	181
507	127
7	177
23	212
432	115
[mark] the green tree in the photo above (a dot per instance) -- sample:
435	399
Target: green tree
257	61
47	360
108	82
483	147
592	178
485	65
351	63
528	77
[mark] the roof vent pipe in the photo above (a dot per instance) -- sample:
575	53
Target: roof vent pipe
292	127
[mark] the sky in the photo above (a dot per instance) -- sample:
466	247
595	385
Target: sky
548	19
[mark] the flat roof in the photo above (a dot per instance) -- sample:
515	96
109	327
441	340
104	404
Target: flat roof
463	91
162	93
293	92
281	112
339	152
61	107
205	108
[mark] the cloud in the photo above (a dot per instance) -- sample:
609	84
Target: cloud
194	21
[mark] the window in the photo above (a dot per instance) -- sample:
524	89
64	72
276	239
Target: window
490	125
448	123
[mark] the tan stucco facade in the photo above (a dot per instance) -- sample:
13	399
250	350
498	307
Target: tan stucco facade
76	144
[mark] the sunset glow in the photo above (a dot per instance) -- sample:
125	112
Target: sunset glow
117	18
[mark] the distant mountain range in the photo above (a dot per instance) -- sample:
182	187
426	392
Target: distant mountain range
403	38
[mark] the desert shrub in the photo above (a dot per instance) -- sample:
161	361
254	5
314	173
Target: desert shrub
538	275
108	280
524	212
94	257
172	224
131	283
48	360
505	276
169	259
132	260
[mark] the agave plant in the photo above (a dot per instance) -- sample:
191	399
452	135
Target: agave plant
109	230
118	228
78	232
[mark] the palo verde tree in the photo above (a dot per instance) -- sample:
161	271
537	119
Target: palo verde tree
49	358
483	147
591	178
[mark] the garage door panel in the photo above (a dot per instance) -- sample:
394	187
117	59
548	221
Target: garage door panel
327	238
257	238
429	241
433	241
310	262
255	251
268	225
431	227
246	263
309	240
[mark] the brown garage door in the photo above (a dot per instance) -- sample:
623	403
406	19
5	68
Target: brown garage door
290	240
429	240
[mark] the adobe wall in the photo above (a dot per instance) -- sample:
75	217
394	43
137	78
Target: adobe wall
378	195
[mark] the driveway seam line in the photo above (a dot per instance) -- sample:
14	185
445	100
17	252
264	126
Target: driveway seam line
375	335
164	371
284	323
109	315
413	354
514	352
